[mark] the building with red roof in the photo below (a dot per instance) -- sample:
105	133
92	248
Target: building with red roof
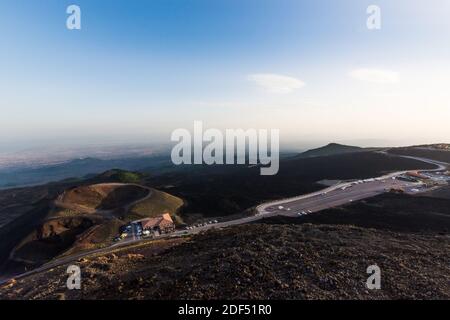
162	224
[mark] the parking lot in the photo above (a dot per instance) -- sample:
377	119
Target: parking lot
131	231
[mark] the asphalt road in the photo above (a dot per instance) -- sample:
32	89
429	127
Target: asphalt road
316	201
334	198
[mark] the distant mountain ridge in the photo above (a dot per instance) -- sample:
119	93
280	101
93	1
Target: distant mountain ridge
436	146
438	152
331	149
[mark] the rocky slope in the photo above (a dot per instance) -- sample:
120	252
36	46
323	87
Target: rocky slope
261	261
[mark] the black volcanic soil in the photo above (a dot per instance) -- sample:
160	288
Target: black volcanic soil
227	190
429	153
51	239
441	193
260	261
392	212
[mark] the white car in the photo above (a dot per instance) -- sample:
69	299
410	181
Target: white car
309	211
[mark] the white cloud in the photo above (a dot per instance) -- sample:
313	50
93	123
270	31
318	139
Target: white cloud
275	83
375	75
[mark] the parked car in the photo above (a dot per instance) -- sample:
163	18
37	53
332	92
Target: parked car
146	233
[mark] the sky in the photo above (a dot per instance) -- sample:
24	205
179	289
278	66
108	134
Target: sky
139	69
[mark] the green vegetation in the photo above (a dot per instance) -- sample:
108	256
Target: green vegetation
63	213
127	177
88	217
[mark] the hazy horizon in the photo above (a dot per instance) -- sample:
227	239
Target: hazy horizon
137	71
112	149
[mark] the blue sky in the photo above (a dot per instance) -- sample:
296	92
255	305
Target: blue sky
140	69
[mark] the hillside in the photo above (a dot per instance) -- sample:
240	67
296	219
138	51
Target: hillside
320	256
330	149
159	202
85	218
77	215
258	262
215	191
435	146
438	153
77	168
22	209
105	196
423	214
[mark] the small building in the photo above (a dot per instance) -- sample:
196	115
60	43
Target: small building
160	224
